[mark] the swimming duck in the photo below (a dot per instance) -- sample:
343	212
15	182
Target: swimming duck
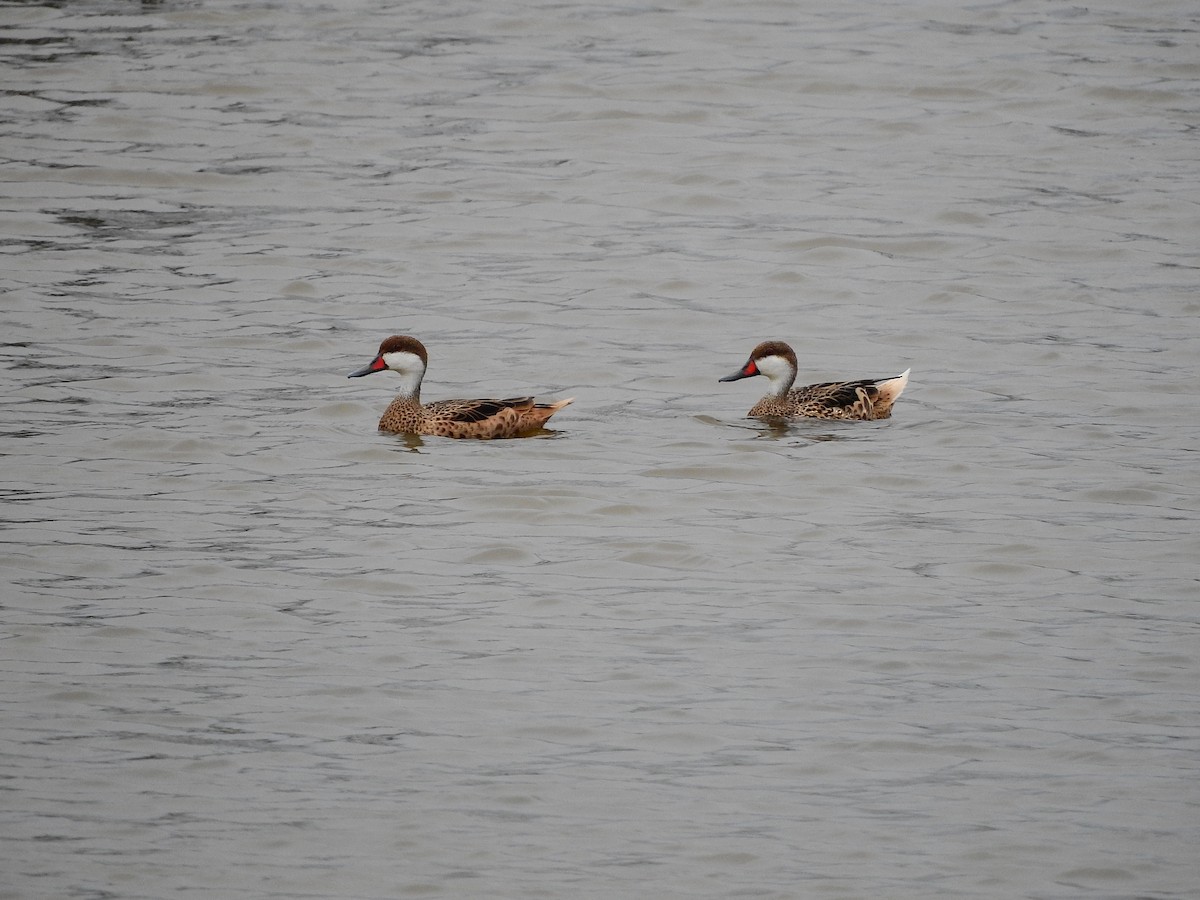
866	398
406	356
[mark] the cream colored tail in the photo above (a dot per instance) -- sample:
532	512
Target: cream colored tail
534	418
890	391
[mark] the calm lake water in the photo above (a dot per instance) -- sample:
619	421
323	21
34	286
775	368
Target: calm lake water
253	648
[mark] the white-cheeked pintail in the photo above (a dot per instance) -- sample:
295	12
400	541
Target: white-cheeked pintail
406	356
866	398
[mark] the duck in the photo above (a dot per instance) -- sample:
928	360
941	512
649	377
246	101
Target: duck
481	419
864	399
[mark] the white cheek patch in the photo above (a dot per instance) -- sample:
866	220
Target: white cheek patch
774	367
410	369
403	361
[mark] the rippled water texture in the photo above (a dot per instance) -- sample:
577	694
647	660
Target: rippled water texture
253	648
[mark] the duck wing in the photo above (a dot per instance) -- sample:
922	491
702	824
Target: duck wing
476	410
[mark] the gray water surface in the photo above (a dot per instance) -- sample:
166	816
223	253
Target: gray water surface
253	648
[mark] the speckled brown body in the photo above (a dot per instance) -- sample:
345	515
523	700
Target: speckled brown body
834	400
863	399
482	419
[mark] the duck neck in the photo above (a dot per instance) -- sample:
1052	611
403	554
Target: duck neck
780	382
410	387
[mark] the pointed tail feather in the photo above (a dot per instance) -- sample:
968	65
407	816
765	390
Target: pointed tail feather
536	417
889	392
